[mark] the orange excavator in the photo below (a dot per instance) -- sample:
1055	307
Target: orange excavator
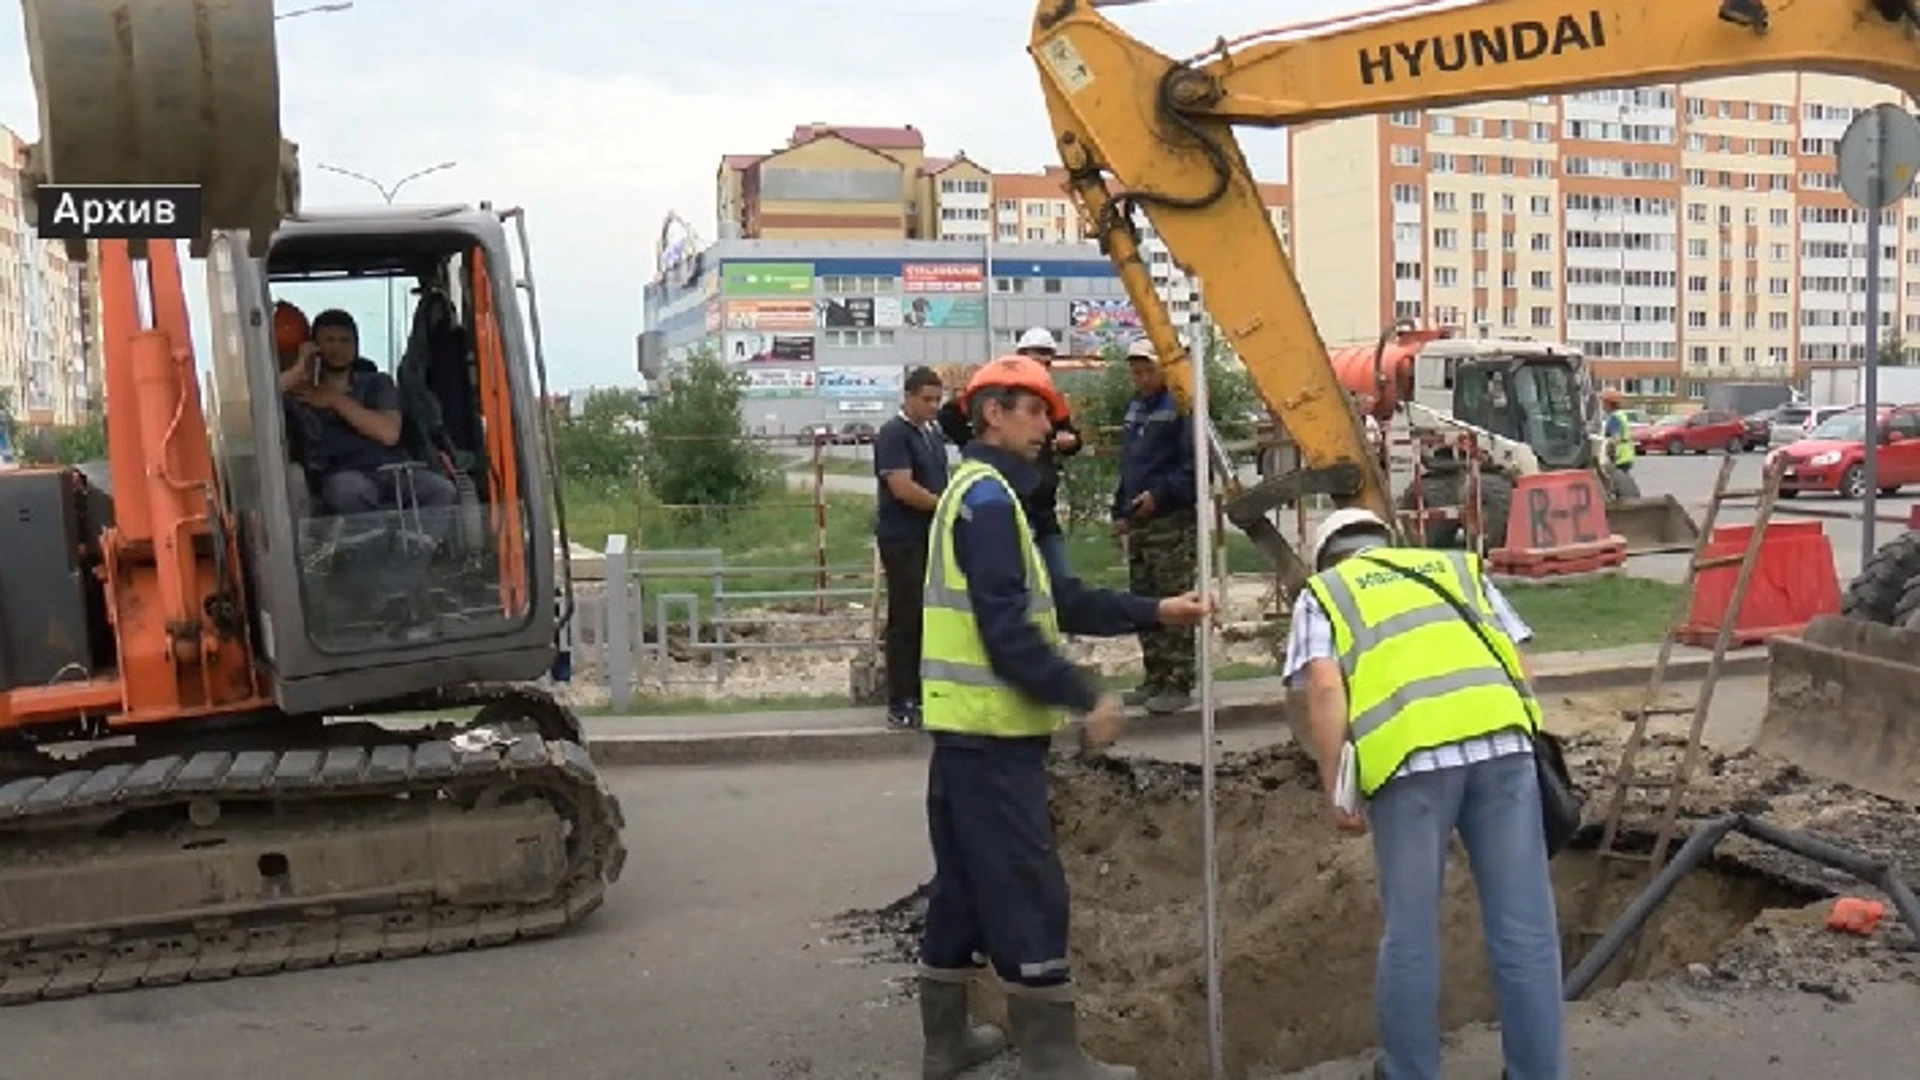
200	772
1141	132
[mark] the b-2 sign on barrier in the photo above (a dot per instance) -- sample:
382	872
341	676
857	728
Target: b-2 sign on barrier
1558	525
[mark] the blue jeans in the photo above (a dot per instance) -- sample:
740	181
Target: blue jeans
1496	806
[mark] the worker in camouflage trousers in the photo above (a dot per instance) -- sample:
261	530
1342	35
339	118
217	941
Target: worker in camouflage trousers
1154	512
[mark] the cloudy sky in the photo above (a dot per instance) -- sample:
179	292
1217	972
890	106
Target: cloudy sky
601	121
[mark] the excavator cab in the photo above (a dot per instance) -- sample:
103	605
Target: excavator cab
430	578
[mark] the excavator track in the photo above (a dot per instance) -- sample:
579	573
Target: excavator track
384	846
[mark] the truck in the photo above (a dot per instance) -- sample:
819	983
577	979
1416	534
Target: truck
1747	398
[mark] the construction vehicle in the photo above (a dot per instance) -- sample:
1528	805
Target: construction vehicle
195	777
1141	131
1529	407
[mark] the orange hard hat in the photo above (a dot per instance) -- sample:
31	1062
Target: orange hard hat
1611	397
1017	372
290	328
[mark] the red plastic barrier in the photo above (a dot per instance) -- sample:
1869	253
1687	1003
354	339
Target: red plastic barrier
1556	526
1793	581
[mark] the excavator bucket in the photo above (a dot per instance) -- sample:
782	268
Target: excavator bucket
1652	524
1843	702
163	92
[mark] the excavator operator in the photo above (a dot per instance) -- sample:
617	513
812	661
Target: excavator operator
1042	504
350	424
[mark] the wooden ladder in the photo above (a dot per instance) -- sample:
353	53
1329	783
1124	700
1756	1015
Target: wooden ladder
1627	777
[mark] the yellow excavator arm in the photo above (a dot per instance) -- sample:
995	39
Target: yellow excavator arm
1140	130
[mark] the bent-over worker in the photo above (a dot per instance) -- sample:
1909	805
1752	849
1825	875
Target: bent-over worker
996	688
1043	503
1411	656
1154	510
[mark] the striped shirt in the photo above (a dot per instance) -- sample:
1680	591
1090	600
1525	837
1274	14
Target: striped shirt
1311	639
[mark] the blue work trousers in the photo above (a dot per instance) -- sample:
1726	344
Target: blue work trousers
1495	804
998	887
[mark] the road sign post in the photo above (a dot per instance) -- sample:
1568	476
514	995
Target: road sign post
1878	157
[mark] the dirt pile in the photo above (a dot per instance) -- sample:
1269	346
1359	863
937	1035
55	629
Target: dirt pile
1300	916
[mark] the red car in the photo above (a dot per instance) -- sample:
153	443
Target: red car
1696	433
1833	457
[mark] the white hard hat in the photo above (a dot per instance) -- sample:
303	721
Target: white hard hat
1037	338
1354	522
1142	349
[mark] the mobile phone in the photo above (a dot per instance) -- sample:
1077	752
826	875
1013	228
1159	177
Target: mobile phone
313	371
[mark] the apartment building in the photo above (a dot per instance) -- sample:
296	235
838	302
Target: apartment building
47	367
1676	234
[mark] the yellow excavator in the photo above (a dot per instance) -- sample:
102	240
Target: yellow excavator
204	654
1140	131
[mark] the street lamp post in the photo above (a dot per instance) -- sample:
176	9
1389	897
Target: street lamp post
316	9
388	192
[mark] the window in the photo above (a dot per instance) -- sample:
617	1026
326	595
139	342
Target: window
1050	285
1445	239
1542	317
1444	202
1406	118
1440	124
1405	156
1696	283
1406	271
1542	280
1446	276
858	339
1541	205
1010	285
1406	194
1477	202
861	284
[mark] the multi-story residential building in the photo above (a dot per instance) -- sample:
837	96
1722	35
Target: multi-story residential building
46	366
1677	234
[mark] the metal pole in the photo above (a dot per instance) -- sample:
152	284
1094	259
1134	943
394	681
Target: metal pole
388	192
1871	376
1210	868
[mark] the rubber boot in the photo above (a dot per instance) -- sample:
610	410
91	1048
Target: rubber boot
952	1046
1046	1032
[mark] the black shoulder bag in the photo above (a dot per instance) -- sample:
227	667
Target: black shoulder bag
1561	804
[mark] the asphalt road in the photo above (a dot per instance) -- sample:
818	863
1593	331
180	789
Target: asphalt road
710	961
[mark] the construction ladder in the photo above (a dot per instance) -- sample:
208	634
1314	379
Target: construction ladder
1627	777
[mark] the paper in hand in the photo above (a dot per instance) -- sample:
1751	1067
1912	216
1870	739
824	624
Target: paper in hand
1346	785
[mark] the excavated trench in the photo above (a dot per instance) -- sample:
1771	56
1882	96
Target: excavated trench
1299	916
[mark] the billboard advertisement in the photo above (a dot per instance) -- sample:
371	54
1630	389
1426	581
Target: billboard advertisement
854	311
1095	324
777	382
947	312
770	348
769	315
860	382
766	279
943	277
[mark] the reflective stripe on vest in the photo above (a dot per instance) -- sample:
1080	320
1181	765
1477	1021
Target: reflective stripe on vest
958	689
1417	676
1618	431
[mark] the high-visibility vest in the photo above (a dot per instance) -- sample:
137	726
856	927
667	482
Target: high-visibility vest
1417	676
1622	436
958	689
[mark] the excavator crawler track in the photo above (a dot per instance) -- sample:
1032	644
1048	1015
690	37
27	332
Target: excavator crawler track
484	796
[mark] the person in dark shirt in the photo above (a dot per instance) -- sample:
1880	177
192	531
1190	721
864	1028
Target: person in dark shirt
1043	504
997	688
910	460
1154	509
349	414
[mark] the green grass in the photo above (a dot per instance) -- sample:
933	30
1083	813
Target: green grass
1596	614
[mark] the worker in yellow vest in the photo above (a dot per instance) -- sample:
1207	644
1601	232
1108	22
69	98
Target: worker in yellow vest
1416	694
994	689
1618	432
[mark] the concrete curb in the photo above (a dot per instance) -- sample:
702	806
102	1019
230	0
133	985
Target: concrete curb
843	744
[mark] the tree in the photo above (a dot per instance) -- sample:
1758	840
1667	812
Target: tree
1893	351
694	452
1100	401
600	447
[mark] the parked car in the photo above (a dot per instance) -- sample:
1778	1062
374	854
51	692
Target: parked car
1795	421
1709	429
1760	430
856	434
814	433
1833	458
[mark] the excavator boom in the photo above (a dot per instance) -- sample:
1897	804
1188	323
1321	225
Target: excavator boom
1137	129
